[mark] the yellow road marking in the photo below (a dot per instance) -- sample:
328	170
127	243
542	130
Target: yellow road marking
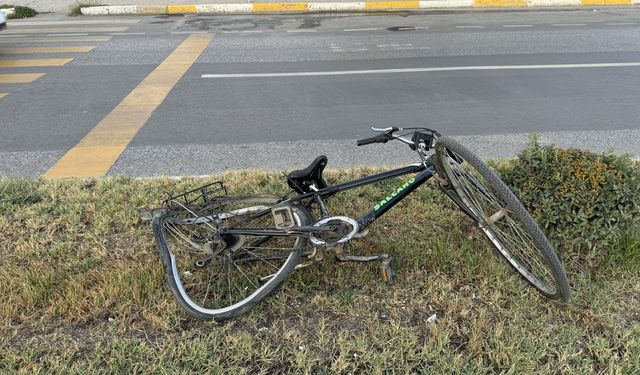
179	9
56	39
76	22
27	63
280	7
3	94
19	78
94	155
67	49
59	30
391	4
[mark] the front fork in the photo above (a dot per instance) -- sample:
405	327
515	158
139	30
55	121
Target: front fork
447	189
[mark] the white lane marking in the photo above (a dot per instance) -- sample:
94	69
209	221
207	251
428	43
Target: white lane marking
14	36
302	31
242	31
187	32
469	27
568	24
620	23
421	27
127	33
409	48
517	25
365	29
67	34
422	70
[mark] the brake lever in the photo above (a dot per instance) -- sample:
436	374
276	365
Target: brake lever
403	140
386	130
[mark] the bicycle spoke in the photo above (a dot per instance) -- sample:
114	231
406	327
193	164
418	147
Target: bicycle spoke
206	294
468	192
251	253
524	252
229	283
245	275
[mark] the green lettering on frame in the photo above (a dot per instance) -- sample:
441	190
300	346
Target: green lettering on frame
394	193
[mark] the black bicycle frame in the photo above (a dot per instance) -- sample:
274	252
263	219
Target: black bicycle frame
423	173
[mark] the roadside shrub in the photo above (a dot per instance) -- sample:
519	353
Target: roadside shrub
583	201
20	11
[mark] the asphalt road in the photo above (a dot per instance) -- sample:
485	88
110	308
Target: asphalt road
322	81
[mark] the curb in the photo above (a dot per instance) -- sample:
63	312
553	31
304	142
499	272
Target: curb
363	6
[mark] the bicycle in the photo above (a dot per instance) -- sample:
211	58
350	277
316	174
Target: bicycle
222	254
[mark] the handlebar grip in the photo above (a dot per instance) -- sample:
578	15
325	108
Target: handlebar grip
366	141
382	138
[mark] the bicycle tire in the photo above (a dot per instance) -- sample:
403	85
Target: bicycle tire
173	273
452	158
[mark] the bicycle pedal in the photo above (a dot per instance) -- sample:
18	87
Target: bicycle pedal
388	270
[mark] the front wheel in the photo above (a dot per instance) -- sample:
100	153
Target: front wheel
502	218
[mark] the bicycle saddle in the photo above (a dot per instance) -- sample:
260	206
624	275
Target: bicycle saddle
300	180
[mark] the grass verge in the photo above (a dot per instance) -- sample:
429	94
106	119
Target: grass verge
82	292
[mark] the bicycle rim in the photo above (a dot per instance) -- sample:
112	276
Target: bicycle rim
504	220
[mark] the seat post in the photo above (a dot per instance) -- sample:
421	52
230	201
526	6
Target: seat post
323	208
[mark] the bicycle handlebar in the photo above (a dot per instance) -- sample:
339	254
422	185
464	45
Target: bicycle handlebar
380	138
387	135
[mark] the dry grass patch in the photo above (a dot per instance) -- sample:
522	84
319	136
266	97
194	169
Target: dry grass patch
82	292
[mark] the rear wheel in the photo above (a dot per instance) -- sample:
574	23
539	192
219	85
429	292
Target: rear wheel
217	275
502	218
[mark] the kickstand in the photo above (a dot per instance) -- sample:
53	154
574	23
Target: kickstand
386	263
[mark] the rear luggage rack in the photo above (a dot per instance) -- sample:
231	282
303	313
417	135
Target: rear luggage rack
199	197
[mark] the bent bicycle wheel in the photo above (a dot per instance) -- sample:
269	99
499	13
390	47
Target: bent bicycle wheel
502	218
217	275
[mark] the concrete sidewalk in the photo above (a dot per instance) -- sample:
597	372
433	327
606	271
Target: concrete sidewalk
275	6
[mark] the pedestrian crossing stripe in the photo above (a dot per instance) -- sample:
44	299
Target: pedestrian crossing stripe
56	39
28	63
59	30
65	49
96	153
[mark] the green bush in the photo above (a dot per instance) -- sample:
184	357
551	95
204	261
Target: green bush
20	11
583	201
